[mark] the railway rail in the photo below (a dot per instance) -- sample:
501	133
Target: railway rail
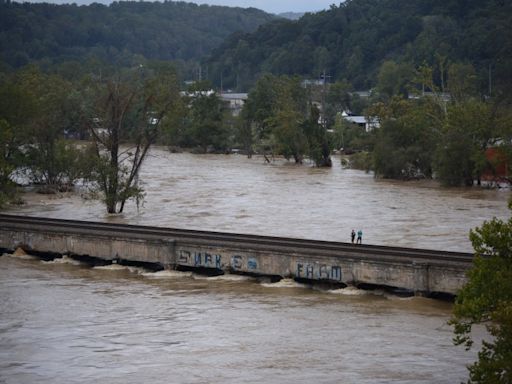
320	247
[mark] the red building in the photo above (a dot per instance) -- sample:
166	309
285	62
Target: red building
498	170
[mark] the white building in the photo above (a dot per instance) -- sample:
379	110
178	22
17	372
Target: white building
235	101
362	121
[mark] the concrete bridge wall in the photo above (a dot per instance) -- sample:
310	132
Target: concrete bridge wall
334	262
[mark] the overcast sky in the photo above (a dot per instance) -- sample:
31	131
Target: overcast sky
271	6
275	6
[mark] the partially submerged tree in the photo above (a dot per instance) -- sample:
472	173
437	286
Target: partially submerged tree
205	119
278	118
487	298
35	111
124	115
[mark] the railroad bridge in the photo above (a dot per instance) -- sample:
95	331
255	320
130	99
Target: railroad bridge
421	271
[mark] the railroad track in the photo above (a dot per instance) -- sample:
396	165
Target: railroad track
8	222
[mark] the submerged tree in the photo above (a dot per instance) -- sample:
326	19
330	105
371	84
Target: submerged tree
487	298
278	117
123	117
470	128
36	110
205	119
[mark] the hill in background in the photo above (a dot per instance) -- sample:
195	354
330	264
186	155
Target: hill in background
117	33
352	40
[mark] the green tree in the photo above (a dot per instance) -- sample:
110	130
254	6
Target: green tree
470	127
462	82
37	111
206	119
281	120
287	132
16	110
338	100
487	298
259	108
319	146
124	115
7	164
406	141
394	79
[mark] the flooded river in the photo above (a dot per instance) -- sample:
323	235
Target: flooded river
64	322
236	194
68	323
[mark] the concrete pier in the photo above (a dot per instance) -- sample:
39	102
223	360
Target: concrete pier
420	271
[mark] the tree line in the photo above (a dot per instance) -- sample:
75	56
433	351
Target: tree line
96	128
425	131
122	33
350	41
438	70
125	111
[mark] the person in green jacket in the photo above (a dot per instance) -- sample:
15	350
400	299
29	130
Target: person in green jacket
359	237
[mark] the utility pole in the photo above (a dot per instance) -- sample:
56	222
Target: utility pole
490	81
323	119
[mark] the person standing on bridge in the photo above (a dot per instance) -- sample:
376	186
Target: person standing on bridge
359	237
353	236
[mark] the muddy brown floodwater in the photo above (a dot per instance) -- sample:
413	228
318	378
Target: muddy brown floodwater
64	322
236	194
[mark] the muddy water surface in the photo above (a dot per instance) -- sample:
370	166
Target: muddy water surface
236	194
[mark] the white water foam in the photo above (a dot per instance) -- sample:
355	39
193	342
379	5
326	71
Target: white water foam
349	291
120	267
64	260
285	283
167	274
112	267
226	277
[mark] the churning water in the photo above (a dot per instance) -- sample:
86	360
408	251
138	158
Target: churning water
64	322
236	194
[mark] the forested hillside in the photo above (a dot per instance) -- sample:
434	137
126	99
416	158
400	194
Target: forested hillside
49	33
352	40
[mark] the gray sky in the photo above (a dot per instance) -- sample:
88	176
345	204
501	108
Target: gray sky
271	6
275	6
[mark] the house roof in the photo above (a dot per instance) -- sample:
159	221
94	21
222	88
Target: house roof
234	96
356	119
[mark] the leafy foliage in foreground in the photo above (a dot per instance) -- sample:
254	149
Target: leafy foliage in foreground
487	298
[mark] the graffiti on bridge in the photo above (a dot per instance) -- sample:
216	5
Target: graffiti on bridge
237	263
318	271
200	259
214	260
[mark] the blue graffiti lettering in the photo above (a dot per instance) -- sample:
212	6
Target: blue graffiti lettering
207	259
309	271
197	259
336	273
236	262
252	264
299	269
322	272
